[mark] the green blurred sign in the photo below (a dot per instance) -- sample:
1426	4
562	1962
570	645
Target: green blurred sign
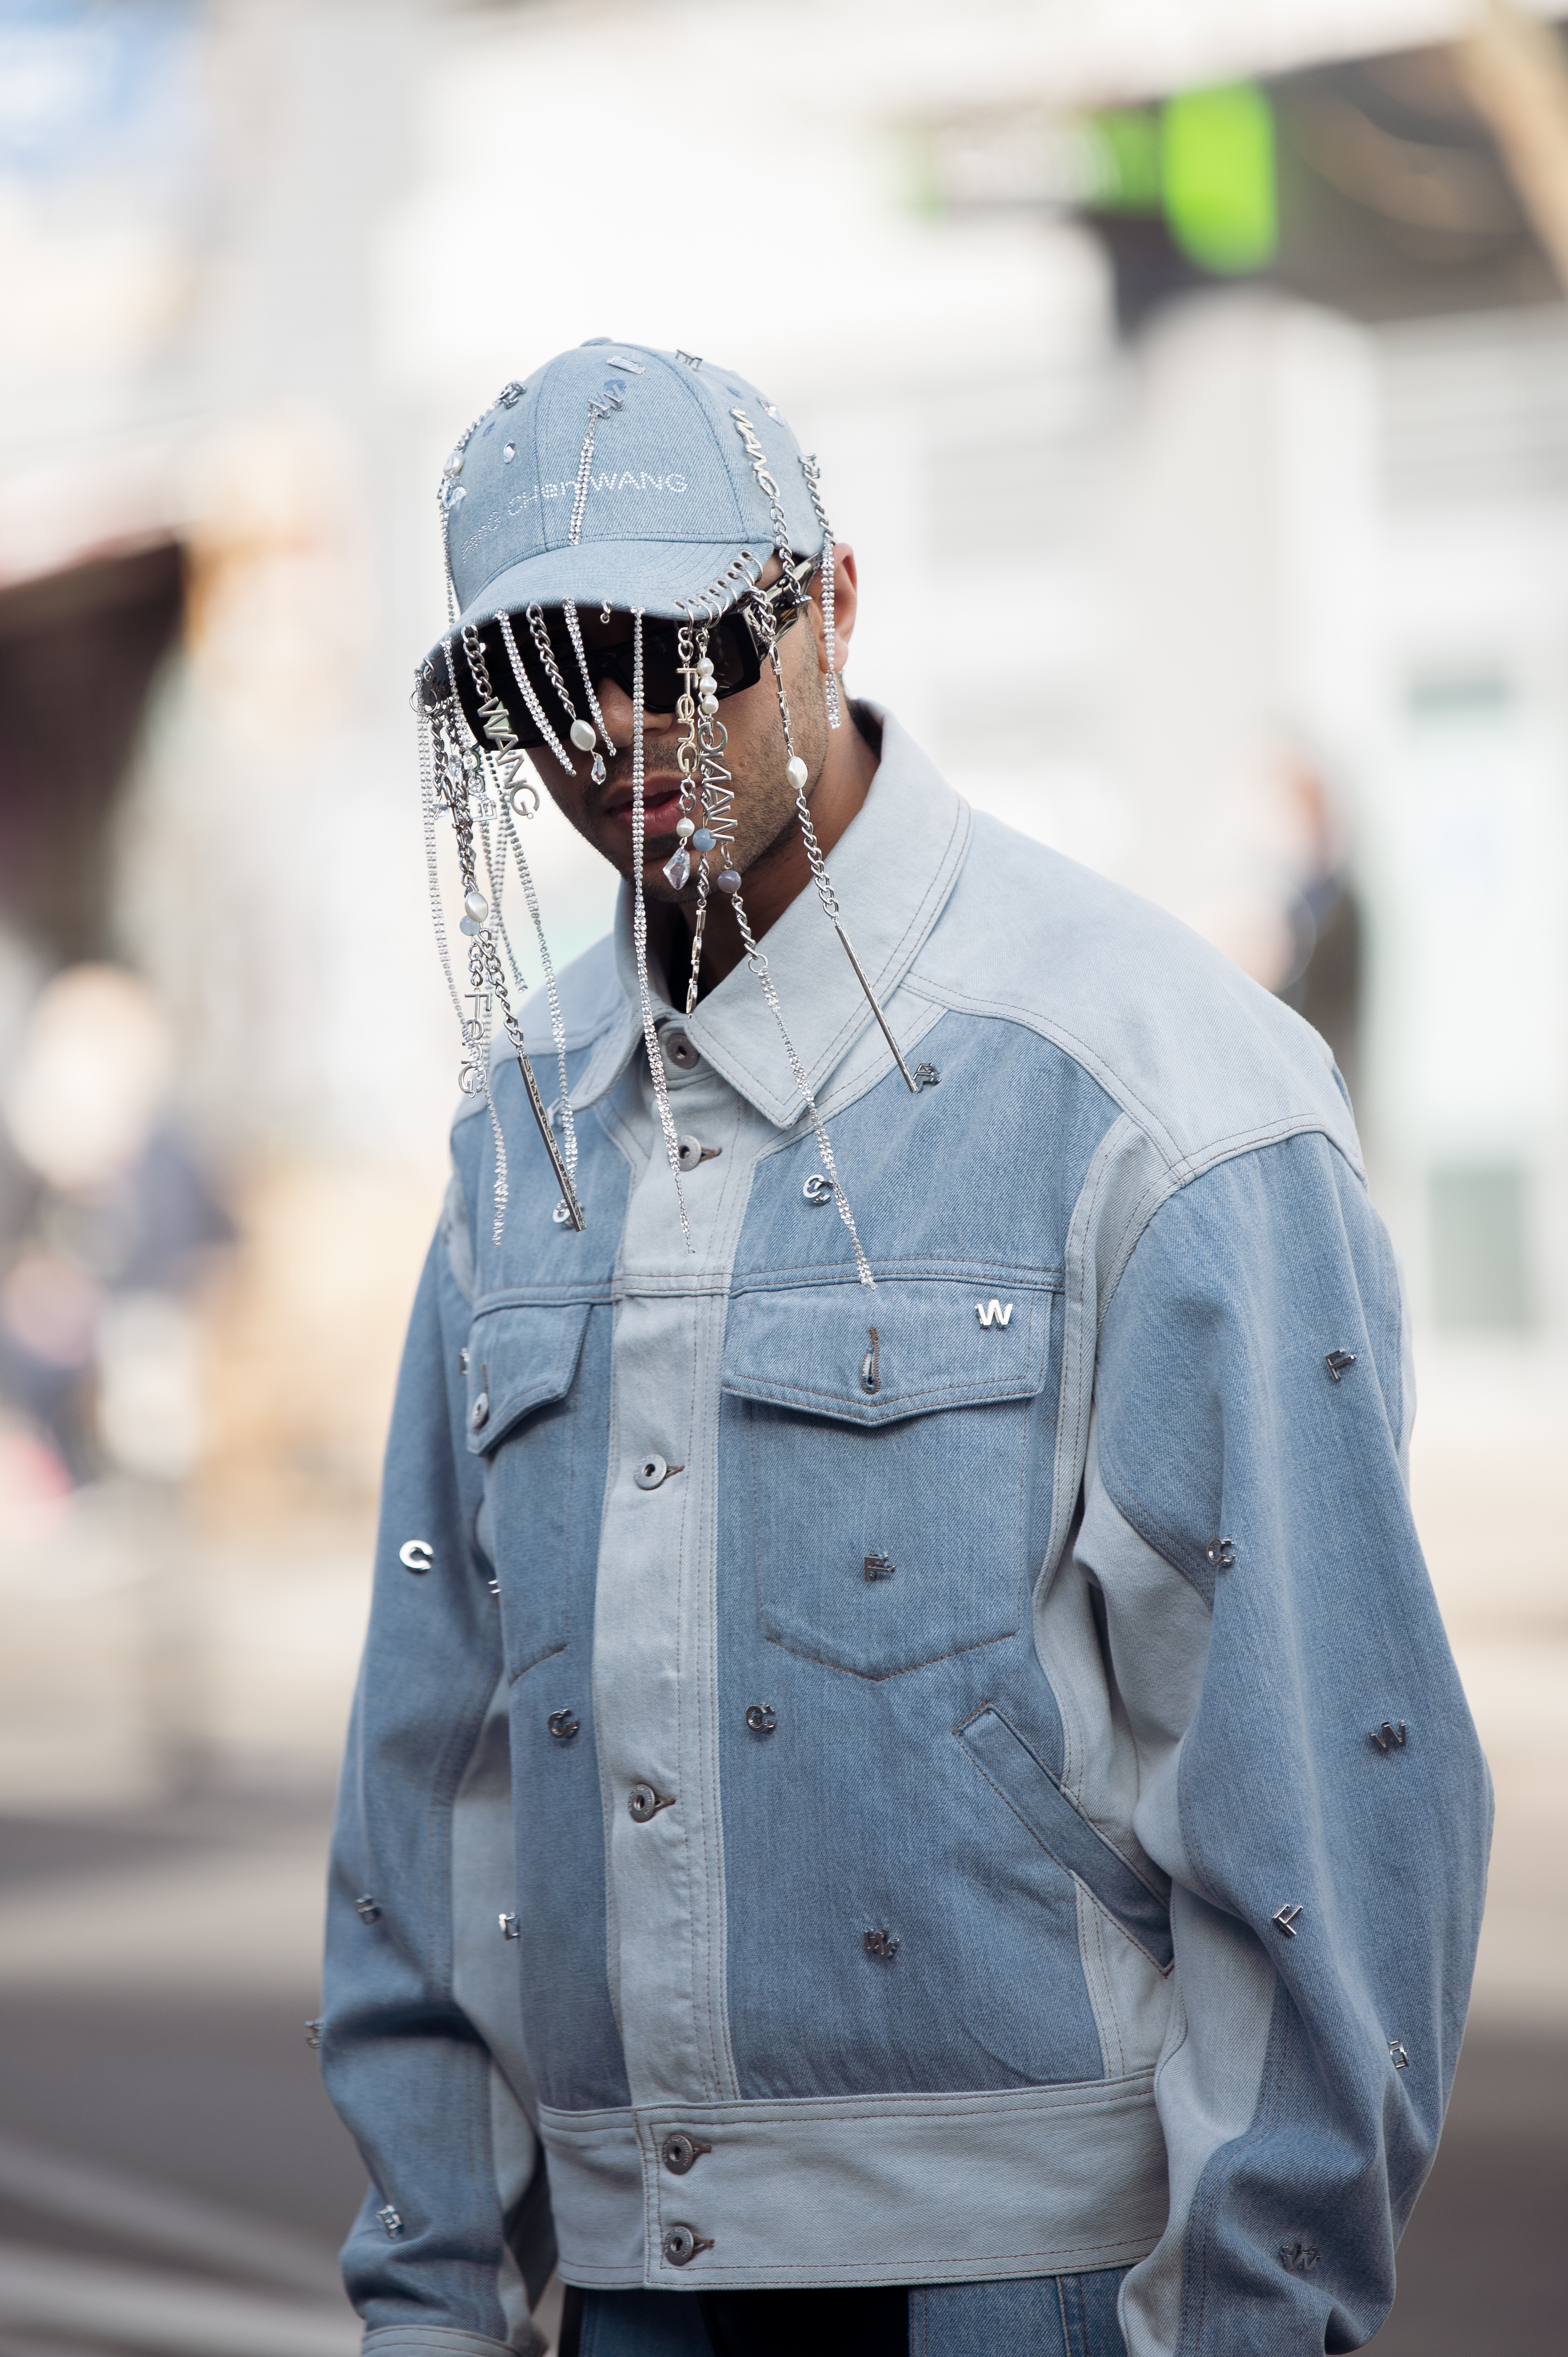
1205	162
1216	176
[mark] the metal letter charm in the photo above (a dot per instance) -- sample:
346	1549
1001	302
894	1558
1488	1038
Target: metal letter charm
990	1313
1286	1919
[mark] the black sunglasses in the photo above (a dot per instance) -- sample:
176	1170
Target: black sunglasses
737	648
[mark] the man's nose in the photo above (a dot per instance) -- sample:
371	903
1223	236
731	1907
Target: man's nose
616	705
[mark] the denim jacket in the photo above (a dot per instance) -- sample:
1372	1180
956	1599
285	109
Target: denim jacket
960	1780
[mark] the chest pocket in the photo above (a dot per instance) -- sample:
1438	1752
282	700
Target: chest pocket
522	1420
891	1441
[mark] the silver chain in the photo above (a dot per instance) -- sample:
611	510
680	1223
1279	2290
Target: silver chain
553	995
757	962
486	975
535	709
812	473
574	631
640	932
536	623
824	881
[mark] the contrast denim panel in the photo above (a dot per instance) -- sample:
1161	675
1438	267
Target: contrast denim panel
878	1550
1357	1859
395	2045
545	1506
982	1169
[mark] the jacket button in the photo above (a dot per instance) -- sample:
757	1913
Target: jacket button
680	2152
479	1414
761	1718
644	1803
679	1050
681	2243
563	1724
654	1470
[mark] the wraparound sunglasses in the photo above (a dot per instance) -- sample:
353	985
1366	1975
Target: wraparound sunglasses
737	649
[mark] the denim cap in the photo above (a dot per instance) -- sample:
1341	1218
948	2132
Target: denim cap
672	499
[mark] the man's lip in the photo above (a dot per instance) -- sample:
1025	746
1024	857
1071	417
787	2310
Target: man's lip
657	788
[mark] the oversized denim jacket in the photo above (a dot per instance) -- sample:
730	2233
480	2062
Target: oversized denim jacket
960	1779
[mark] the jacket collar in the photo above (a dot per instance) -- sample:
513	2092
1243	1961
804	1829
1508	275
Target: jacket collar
893	870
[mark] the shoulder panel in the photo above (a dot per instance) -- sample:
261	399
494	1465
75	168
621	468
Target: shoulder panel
1208	1063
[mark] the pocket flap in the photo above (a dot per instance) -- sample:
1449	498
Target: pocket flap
864	1357
1060	1827
519	1358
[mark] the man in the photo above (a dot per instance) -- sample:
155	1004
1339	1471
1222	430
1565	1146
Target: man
922	1805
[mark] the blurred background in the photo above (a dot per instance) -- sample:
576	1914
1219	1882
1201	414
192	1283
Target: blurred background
1201	369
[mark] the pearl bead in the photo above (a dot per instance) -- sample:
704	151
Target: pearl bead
796	772
475	906
705	839
583	736
685	826
727	880
709	705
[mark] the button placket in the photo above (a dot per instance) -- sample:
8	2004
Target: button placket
657	1736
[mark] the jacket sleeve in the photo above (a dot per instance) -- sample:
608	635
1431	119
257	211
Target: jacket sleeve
433	2260
1308	1772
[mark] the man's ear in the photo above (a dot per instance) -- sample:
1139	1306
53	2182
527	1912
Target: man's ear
847	604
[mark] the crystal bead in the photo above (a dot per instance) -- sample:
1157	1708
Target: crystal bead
728	880
796	772
678	871
509	454
705	839
598	771
475	905
583	736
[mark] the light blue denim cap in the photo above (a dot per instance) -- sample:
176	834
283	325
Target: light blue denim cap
672	499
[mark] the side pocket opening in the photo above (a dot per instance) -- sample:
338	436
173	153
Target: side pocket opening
1140	1907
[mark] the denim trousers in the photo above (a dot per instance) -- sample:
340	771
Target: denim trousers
1039	2316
